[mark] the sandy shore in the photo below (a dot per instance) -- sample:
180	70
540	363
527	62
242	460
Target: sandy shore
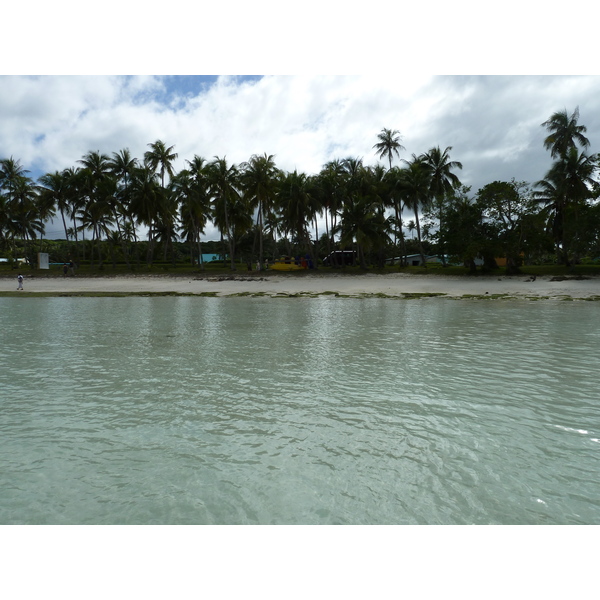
394	285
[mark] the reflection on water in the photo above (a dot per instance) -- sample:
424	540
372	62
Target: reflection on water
325	411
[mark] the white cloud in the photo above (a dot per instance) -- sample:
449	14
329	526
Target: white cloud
492	123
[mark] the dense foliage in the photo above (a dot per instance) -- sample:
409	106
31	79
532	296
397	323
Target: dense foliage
261	211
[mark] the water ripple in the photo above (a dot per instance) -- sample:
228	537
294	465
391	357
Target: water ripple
206	410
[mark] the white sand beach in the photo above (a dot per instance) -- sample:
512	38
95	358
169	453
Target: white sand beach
267	284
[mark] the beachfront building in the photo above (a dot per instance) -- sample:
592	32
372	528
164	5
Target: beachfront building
413	260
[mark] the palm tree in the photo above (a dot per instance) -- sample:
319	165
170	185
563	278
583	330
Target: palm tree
122	165
329	191
259	179
160	157
389	144
168	220
394	179
145	203
379	189
442	182
23	211
362	218
18	199
12	177
180	186
165	235
223	185
191	187
4	220
549	194
296	206
55	187
98	164
566	187
76	196
364	197
11	171
564	133
415	185
467	238
100	171
92	206
199	205
46	211
97	214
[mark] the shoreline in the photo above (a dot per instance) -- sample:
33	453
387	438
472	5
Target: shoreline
396	285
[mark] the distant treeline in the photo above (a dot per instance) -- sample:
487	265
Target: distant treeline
260	211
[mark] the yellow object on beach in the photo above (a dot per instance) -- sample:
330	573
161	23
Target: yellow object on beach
285	263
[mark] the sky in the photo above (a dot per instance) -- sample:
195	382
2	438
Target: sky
491	122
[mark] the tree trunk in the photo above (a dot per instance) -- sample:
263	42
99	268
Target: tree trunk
316	246
361	256
229	239
151	242
424	264
260	245
122	241
200	257
442	248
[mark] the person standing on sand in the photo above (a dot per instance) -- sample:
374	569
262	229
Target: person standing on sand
20	280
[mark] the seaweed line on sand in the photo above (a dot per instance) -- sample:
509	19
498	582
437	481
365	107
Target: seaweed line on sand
301	294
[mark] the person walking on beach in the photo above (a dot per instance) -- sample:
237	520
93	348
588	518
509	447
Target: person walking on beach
20	280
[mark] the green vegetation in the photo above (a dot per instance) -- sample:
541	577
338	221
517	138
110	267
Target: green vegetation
305	295
217	269
422	294
121	214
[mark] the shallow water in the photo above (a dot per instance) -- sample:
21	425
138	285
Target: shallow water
309	411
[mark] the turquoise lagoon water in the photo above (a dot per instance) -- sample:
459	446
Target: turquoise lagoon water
298	411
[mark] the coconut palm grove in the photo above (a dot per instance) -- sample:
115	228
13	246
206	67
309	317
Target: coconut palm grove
132	211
